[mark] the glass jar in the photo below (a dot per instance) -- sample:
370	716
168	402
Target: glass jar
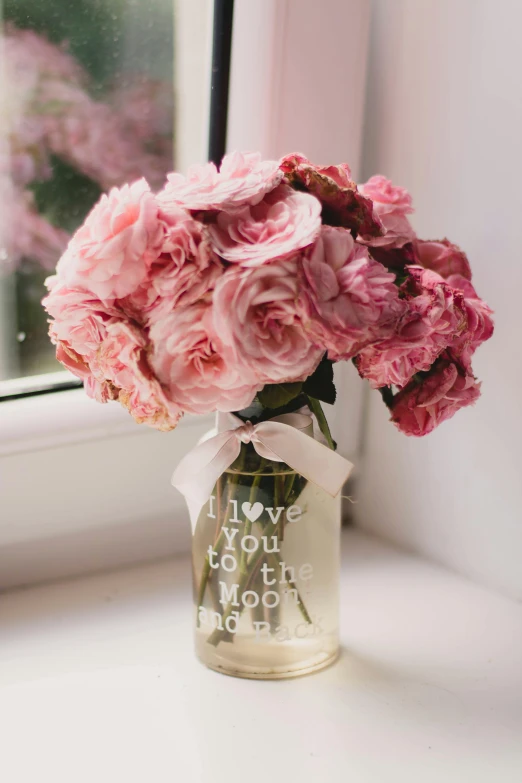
266	572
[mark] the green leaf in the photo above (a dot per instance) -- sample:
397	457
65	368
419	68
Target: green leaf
294	405
321	384
278	394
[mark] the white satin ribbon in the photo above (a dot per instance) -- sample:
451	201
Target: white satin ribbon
282	439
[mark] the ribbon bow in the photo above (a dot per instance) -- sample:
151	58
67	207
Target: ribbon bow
287	438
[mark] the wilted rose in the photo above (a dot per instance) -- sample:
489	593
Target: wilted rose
443	257
121	359
434	318
479	316
80	318
425	403
343	204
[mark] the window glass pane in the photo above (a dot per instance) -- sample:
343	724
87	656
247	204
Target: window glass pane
87	102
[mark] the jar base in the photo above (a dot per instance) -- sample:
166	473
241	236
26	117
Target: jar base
284	672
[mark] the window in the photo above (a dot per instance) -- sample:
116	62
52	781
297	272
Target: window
93	95
81	485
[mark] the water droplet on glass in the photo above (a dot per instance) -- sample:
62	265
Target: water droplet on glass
21	336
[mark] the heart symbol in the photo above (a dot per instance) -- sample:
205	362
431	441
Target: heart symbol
252	511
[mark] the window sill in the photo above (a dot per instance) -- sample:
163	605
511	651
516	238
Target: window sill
64	417
101	670
84	487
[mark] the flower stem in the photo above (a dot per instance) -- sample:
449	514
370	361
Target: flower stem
205	574
246	577
279	496
317	410
219	542
302	608
248	524
273	613
218	504
250	573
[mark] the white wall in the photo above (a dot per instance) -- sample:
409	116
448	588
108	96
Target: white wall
444	119
289	92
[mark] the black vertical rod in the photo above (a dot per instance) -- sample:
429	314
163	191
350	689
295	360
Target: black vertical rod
221	51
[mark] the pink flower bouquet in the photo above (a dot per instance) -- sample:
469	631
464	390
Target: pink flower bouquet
243	285
235	291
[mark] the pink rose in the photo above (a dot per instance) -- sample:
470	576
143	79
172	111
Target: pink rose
112	251
442	257
343	204
348	298
257	316
80	319
181	286
184	273
279	225
192	364
434	319
121	359
391	204
423	405
243	179
182	235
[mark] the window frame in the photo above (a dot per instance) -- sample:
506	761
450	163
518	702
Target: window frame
69	467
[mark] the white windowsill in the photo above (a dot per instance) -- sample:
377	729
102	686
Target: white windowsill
57	419
83	487
98	682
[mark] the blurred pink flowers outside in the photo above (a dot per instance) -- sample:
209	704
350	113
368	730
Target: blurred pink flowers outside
48	110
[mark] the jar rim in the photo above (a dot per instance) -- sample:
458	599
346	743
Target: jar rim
287	472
